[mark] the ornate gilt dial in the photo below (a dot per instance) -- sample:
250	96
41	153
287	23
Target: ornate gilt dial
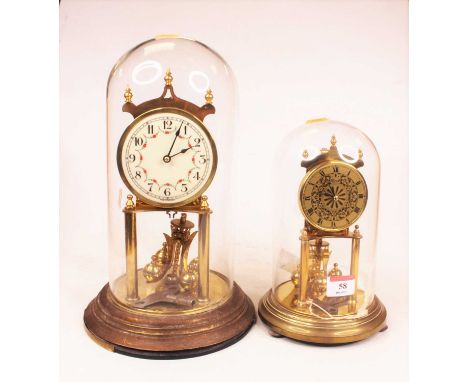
167	157
332	196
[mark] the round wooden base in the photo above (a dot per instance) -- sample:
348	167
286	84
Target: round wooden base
140	333
304	327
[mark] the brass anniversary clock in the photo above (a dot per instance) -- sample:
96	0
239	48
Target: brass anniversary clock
323	289
170	294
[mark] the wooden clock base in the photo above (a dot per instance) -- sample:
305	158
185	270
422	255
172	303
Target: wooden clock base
304	327
139	333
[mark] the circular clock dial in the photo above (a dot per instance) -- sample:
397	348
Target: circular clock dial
333	196
167	157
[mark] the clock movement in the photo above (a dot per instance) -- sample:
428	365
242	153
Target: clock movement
325	237
170	293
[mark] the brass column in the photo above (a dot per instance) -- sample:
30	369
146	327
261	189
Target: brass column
204	251
325	258
304	271
354	271
131	249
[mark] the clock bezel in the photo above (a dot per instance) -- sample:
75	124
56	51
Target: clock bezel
312	172
194	119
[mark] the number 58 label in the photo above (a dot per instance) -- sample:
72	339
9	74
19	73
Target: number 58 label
340	286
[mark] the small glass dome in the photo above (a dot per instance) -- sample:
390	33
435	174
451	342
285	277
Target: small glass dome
325	236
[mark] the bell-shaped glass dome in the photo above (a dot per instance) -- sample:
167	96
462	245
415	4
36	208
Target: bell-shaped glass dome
170	125
324	241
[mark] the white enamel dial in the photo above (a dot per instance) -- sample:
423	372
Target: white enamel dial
167	157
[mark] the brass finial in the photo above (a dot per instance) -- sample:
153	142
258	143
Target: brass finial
204	202
168	77
128	94
360	153
183	219
304	235
305	154
356	230
209	96
129	204
333	140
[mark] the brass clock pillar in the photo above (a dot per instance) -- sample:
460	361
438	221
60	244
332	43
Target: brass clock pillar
131	250
304	269
204	251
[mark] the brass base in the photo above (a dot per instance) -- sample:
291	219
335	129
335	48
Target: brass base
144	334
304	327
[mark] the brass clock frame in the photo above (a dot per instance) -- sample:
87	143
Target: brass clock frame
194	119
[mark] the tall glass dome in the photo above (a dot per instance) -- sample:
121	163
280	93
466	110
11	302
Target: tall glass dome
325	237
171	106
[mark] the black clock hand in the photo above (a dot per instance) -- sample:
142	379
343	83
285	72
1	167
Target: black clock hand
167	157
180	152
184	150
176	135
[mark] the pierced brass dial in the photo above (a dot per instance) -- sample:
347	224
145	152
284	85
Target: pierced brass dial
332	196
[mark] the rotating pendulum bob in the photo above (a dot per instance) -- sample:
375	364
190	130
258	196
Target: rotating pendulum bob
170	270
312	291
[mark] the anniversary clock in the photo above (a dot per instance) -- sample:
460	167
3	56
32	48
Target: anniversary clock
325	237
170	126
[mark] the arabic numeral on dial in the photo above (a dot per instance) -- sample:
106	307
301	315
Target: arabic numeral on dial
132	158
195	176
184	187
195	141
138	174
138	141
150	186
167	124
150	129
202	159
167	192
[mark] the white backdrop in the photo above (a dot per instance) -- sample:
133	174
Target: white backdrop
295	60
